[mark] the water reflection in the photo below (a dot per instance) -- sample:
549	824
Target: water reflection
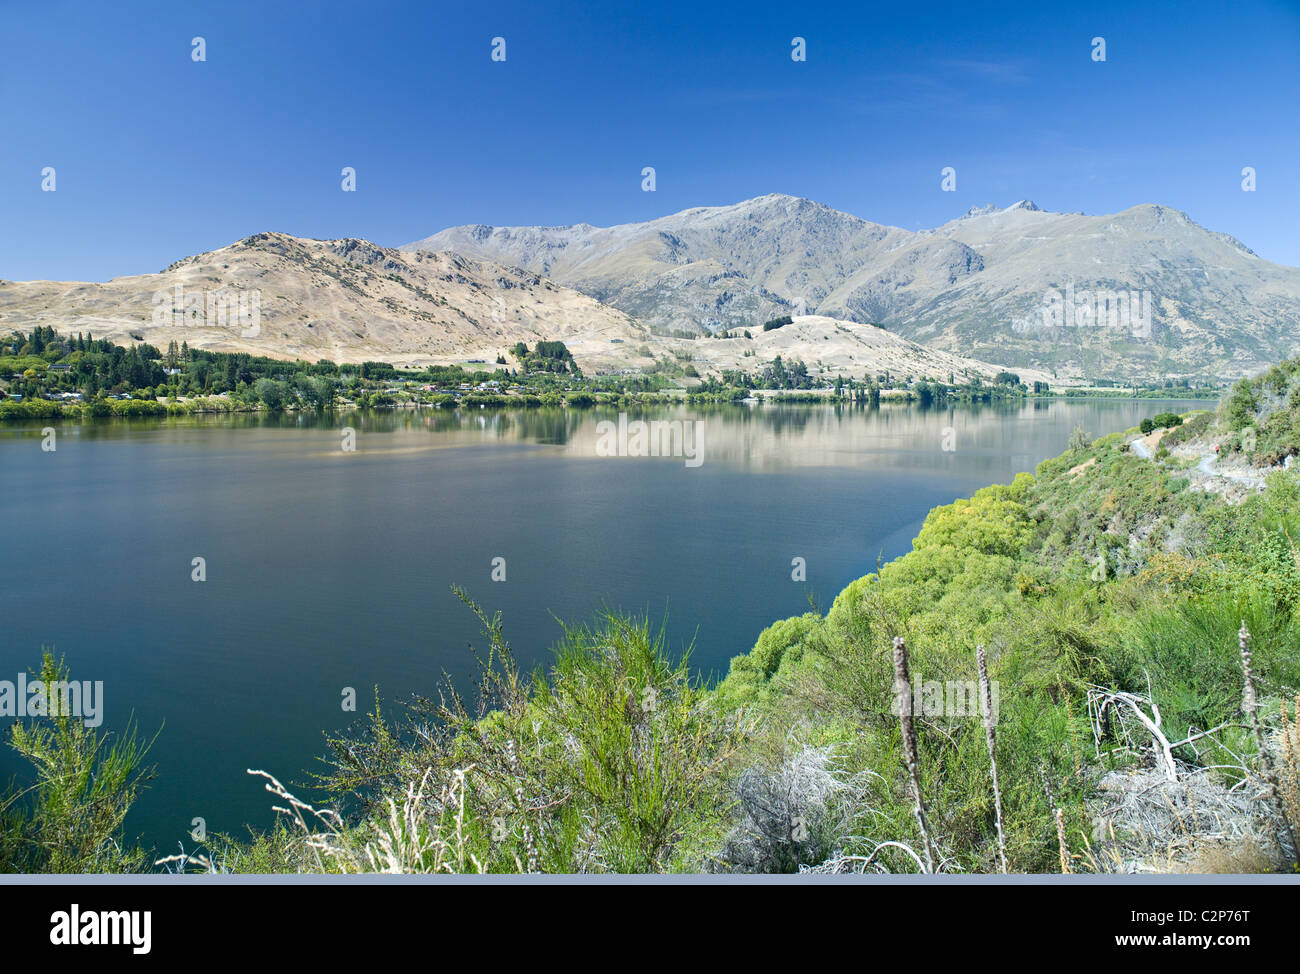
762	436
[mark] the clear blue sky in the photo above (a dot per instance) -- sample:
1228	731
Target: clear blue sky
158	157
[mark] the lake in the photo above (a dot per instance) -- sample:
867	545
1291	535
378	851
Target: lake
327	569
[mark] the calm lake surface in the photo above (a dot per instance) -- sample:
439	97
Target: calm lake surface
328	569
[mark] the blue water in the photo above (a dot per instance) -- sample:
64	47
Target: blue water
328	569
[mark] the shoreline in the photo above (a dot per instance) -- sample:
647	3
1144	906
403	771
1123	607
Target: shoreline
77	415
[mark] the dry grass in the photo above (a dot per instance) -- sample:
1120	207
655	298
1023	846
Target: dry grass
408	839
1144	823
1288	746
1242	857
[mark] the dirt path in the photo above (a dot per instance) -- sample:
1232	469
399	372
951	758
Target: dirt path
1207	466
1211	477
1145	446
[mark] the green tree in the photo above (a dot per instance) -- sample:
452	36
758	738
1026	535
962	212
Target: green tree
271	393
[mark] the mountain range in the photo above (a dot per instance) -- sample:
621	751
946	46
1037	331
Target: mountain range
978	286
1142	294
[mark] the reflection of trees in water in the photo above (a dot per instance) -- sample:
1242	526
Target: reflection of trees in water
555	425
544	424
441	420
790	419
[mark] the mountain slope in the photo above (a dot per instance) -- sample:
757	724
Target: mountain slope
830	347
346	300
722	267
1218	307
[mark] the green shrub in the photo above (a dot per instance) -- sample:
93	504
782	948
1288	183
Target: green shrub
1187	656
613	759
781	642
34	409
69	820
1240	407
1196	425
